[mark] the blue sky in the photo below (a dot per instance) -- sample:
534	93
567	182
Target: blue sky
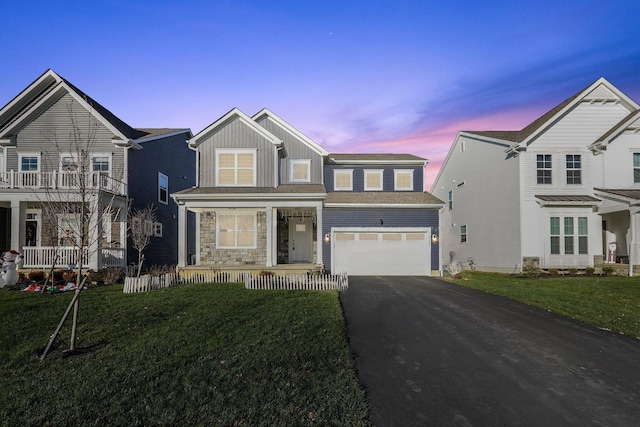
356	76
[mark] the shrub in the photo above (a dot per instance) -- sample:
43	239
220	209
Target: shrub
531	270
37	275
454	269
572	271
554	272
589	271
607	270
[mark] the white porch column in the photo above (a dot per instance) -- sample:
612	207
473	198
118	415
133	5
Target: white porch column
18	224
270	235
182	236
319	235
634	245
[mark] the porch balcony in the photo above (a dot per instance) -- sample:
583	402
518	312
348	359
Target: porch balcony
45	257
60	180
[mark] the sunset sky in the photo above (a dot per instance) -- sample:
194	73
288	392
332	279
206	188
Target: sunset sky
397	76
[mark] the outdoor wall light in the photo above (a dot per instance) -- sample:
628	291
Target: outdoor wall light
327	238
434	238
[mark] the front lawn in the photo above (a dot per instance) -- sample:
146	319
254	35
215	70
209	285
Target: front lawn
606	302
190	355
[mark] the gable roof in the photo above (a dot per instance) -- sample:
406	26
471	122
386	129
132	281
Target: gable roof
233	114
631	121
377	198
50	87
293	131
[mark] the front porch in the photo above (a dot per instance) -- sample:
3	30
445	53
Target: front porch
65	256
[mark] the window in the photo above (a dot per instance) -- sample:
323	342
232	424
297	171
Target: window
373	180
636	167
563	239
463	233
68	164
157	229
236	168
100	163
342	179
403	179
29	164
450	198
163	188
543	168
574	169
300	171
236	230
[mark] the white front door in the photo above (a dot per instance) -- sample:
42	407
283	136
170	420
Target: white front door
300	240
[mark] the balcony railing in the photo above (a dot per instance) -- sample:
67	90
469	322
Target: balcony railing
61	181
45	257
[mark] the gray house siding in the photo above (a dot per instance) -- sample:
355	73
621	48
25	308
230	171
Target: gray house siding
172	157
375	217
236	134
295	150
51	134
388	176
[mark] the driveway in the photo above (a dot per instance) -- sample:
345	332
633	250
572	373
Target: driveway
431	353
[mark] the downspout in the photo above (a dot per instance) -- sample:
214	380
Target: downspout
440	242
632	243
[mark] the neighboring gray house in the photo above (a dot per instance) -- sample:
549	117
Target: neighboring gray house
48	133
267	195
563	192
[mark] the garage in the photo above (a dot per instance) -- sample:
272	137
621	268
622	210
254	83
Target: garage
381	251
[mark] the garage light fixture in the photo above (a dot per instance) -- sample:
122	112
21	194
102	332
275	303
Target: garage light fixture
327	238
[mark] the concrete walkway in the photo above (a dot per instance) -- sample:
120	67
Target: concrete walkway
431	353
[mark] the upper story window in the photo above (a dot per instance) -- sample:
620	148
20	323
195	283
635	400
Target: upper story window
163	188
450	199
636	167
343	179
236	168
300	170
100	163
543	168
403	179
29	163
373	179
574	169
69	164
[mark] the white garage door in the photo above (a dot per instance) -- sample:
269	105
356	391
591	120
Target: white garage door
381	251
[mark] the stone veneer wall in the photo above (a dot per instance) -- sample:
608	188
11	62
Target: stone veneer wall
210	255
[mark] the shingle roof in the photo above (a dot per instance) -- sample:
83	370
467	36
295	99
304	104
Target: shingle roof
383	198
376	156
567	198
628	193
287	188
151	132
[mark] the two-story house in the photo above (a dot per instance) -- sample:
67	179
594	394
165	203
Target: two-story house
267	195
63	156
559	193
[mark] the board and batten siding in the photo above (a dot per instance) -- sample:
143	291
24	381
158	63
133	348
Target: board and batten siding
55	126
296	150
172	157
372	217
486	198
231	135
388	176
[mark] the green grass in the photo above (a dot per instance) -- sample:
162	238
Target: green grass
190	355
606	302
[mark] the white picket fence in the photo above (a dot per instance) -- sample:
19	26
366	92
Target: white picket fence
323	282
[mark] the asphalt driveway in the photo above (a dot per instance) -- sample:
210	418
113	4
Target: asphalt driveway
431	353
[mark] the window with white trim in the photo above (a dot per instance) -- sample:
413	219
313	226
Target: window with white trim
450	199
235	230
300	170
566	238
100	163
343	179
574	169
163	188
29	163
543	168
463	233
157	229
373	179
636	167
236	168
403	179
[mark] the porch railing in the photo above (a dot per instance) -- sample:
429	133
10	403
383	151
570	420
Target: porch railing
45	257
61	180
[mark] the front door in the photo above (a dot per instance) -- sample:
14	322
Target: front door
300	240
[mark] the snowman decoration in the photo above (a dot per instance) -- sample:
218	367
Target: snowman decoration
10	263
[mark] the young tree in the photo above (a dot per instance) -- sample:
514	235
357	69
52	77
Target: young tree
77	196
141	228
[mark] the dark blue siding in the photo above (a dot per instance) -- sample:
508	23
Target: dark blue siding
392	217
387	176
172	157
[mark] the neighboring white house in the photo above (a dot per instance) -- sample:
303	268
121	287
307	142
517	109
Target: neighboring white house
556	194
